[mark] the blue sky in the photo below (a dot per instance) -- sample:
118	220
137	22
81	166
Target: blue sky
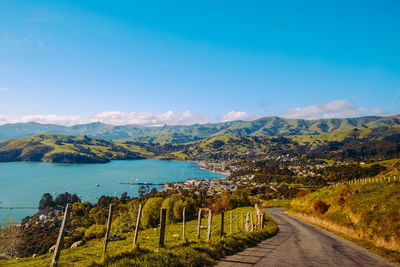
181	62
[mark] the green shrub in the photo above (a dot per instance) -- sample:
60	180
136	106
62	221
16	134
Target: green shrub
97	215
151	212
178	210
95	231
125	221
169	205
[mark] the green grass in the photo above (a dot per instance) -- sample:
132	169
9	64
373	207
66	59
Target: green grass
175	247
278	203
385	163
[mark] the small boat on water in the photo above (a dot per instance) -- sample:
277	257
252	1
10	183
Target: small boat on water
96	185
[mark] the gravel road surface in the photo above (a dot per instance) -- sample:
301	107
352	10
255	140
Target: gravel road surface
301	244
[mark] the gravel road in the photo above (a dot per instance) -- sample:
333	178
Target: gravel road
301	244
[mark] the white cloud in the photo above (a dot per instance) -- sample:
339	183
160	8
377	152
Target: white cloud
238	115
149	119
334	109
116	118
53	119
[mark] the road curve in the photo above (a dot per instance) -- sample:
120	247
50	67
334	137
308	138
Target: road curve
301	244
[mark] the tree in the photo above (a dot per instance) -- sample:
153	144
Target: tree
64	199
10	239
143	190
46	201
124	198
240	198
178	209
80	214
223	202
151	212
169	205
105	201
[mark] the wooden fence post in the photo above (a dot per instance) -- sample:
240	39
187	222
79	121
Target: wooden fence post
137	225
230	223
209	225
163	217
222	224
262	220
237	221
183	223
242	222
60	239
256	225
109	221
251	222
247	222
198	224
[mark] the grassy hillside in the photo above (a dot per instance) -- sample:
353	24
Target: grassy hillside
343	145
190	253
63	148
268	126
364	211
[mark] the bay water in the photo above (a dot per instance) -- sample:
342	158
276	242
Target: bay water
22	184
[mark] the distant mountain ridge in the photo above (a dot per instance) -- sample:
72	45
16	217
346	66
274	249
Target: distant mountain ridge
267	126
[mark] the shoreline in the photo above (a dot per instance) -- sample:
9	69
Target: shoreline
210	170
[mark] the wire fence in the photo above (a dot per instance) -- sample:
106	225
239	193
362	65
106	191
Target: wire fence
387	179
206	227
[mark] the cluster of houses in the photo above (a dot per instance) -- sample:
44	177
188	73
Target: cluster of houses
211	186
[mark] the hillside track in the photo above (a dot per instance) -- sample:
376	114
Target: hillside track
299	243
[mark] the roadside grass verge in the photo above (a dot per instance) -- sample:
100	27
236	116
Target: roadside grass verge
366	214
177	252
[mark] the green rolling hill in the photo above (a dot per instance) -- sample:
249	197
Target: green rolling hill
67	149
178	134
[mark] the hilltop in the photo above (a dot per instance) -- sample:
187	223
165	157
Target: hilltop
367	144
67	149
267	126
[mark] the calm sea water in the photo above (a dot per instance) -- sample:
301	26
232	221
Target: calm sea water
23	183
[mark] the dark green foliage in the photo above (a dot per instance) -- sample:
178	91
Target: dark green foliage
65	198
143	190
240	198
46	202
105	201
